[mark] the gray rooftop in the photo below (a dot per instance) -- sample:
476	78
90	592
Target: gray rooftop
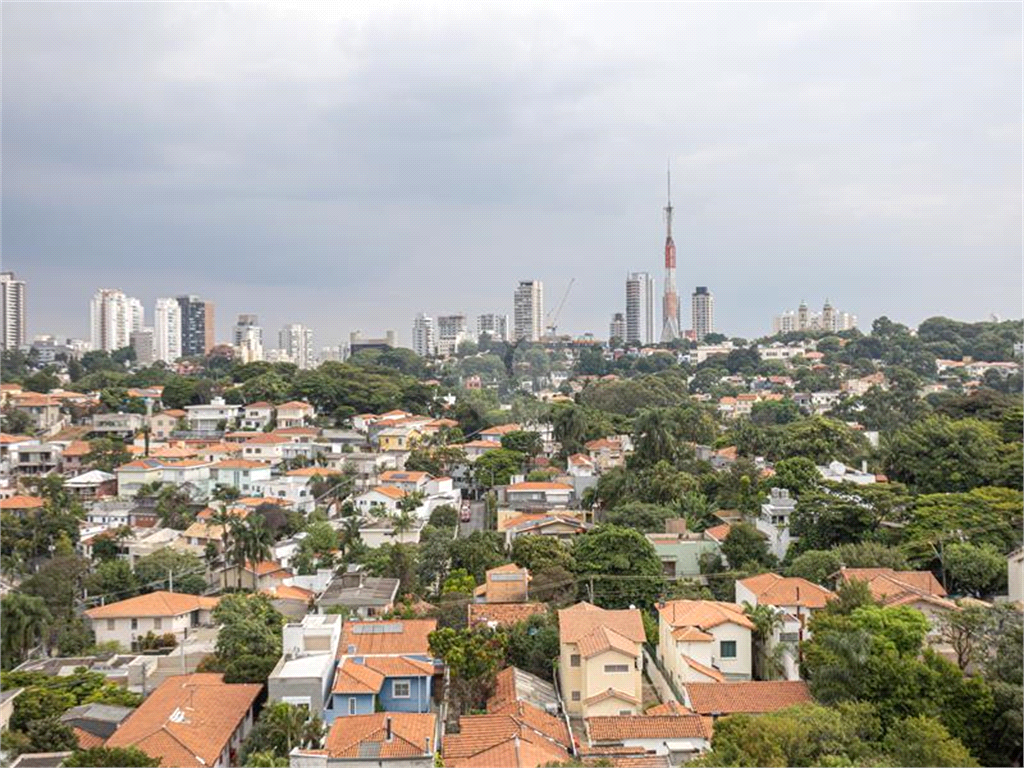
106	712
370	591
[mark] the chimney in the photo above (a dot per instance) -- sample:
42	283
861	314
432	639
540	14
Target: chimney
387	728
427	750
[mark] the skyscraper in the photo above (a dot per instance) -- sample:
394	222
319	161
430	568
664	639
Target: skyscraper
528	315
639	308
670	301
112	317
194	328
166	330
617	327
495	326
209	328
12	311
703	311
136	315
243	325
142	342
424	343
296	340
451	331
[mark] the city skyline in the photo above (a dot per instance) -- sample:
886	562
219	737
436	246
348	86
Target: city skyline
900	147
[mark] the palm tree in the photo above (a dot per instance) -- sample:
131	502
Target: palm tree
253	542
293	726
654	437
349	534
225	494
24	619
766	620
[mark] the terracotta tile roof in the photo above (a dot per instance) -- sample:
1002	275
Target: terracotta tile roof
623	727
260	404
524	517
22	502
604	442
493	444
606	639
389	491
580	460
890	581
408	636
176	413
76	449
703	614
691	635
153	604
11	439
201	530
295	405
552	726
263	438
87	740
10	387
255	501
394	476
711	672
221	448
527	486
240	464
729	452
501	429
504	614
718	532
669	708
409	734
909	598
188	721
267	567
357	678
500	741
752	697
611	693
312	472
288	592
297	431
772	589
583	618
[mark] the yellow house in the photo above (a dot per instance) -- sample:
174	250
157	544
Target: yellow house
398	438
601	660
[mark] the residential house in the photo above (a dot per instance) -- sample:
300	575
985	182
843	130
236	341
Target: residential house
257	576
190	474
290	600
244	474
504	584
43	411
379	740
365	596
796	600
364	684
191	721
676	736
256	416
607	453
407	637
680	552
92	485
131	477
528	495
7	705
410	482
562	525
601	659
22	506
116	425
72	458
774	520
162	424
704	641
495	615
265	447
918	589
294	488
366	466
375	532
295	414
34	458
580	465
305	672
95	723
750	697
160	612
397	439
213	417
837	472
383	498
494	434
474	449
1015	575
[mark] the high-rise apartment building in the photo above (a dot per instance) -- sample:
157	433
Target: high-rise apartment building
136	315
617	327
702	308
12	311
528	316
639	308
424	342
243	326
113	317
167	330
196	326
296	340
451	331
803	319
495	326
142	341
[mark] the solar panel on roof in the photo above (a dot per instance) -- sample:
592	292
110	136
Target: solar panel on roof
377	629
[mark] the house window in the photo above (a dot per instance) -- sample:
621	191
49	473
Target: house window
135	623
110	625
158	623
728	649
352	705
625	711
575	695
611	668
400	689
574	660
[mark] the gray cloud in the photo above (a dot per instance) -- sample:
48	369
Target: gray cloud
347	167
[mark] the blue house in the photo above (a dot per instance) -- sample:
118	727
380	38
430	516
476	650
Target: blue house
367	684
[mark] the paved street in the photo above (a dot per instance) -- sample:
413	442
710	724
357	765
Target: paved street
478	510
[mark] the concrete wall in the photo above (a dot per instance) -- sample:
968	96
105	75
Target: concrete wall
596	680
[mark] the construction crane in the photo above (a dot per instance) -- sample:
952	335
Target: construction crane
551	323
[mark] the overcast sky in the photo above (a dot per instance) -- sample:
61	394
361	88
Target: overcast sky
346	167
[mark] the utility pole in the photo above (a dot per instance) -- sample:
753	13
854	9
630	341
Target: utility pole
170	578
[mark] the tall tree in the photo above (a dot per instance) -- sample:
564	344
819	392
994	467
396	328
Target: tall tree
23	625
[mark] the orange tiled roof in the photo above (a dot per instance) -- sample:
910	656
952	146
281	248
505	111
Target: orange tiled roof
22	502
501	429
153	604
295	405
711	672
752	697
669	708
719	532
584	618
240	464
263	438
703	614
691	635
357	678
409	734
188	720
396	476
611	693
288	431
260	404
623	727
288	592
606	639
772	589
11	439
175	413
312	472
501	741
87	740
504	614
886	581
604	442
390	491
528	486
408	636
